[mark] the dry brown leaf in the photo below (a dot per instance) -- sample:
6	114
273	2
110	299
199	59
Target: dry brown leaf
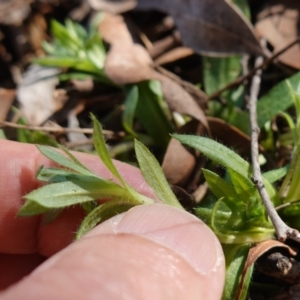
35	94
177	171
14	12
173	55
279	23
128	62
210	27
229	135
257	251
115	7
7	98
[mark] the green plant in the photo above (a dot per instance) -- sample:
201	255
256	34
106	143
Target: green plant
81	53
75	184
75	48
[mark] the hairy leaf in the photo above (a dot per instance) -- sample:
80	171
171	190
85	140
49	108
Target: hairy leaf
102	213
216	152
63	194
274	175
221	188
60	159
102	151
236	256
154	175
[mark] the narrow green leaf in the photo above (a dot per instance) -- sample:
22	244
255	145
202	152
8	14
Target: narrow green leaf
64	161
53	174
151	112
96	56
218	71
244	286
221	188
244	187
278	99
216	152
102	151
63	194
130	104
100	145
154	175
65	37
2	135
68	62
233	228
74	159
236	256
76	31
101	213
274	175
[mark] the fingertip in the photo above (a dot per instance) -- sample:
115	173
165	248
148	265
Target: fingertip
180	231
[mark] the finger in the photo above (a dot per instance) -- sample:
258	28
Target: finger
150	252
14	267
18	166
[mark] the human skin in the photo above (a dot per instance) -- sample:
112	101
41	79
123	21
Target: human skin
150	252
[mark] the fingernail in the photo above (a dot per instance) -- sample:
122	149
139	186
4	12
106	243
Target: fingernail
173	228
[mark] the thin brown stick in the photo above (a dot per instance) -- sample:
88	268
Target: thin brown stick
282	230
107	133
262	65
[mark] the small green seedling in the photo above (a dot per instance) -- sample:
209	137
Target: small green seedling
74	184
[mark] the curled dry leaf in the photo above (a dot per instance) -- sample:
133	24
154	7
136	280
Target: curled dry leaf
210	27
279	23
128	62
257	251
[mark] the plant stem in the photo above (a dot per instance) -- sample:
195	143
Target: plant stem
282	230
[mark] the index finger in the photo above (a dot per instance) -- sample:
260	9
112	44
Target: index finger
23	235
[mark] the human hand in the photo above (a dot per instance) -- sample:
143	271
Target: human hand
149	252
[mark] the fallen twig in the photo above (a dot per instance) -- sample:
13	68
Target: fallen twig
107	133
260	66
282	230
